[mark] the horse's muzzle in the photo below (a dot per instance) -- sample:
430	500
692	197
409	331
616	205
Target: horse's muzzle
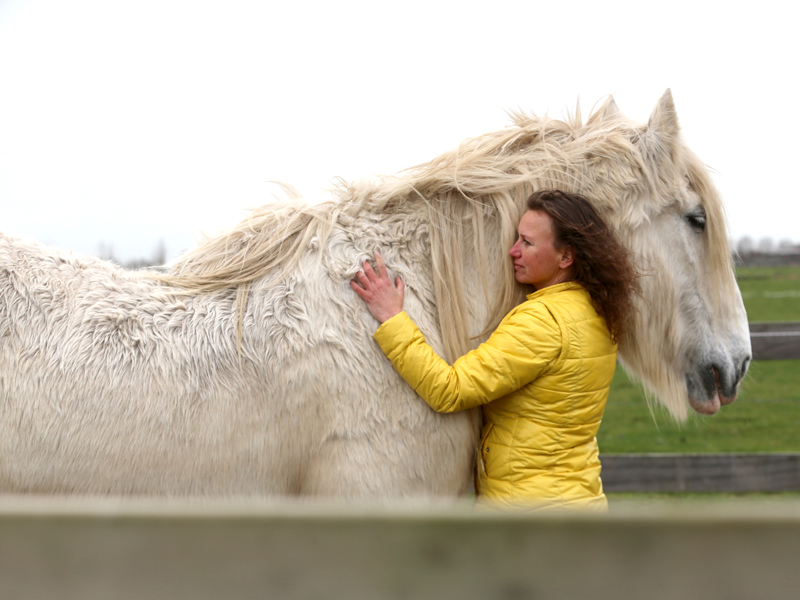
712	385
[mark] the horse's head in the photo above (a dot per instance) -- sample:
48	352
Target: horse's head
689	342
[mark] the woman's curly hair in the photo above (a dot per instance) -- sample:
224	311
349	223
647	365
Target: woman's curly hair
601	263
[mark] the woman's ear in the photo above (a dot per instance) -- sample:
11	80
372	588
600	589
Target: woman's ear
567	257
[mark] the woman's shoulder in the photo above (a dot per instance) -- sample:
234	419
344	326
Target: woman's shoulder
532	324
570	292
564	300
532	315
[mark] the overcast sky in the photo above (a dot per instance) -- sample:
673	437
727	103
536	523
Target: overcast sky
126	123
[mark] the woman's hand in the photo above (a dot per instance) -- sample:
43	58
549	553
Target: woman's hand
384	299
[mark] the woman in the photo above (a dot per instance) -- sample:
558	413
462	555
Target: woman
543	376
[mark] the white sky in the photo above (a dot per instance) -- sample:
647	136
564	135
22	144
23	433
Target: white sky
131	122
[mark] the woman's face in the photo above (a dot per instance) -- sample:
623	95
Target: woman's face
536	260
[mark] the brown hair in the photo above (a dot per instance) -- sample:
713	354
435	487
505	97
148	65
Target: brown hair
601	263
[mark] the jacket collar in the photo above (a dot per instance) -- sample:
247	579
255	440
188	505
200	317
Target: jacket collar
554	289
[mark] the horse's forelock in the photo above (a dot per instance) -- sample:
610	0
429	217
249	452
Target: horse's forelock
723	283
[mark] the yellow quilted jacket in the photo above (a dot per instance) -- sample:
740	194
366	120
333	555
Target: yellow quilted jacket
542	379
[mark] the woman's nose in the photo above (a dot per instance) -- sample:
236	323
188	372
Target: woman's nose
514	251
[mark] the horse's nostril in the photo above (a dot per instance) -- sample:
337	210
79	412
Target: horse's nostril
743	369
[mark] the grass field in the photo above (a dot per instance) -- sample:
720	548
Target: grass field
765	417
770	293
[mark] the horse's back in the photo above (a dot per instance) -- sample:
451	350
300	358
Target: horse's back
112	383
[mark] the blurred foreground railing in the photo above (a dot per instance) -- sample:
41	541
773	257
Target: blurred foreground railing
146	549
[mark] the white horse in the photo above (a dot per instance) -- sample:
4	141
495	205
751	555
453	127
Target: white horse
250	369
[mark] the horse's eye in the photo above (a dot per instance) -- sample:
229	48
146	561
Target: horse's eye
697	220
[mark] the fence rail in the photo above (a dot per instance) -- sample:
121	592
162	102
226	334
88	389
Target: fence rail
728	472
91	549
775	341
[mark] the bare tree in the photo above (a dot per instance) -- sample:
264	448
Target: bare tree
745	245
160	253
106	251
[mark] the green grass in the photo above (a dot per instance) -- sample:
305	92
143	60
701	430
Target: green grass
770	293
765	417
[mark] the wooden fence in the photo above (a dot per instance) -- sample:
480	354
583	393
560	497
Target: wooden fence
92	549
728	472
775	341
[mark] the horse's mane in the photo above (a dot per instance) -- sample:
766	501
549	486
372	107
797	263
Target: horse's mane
484	181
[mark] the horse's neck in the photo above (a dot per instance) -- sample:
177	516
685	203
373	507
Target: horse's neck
442	267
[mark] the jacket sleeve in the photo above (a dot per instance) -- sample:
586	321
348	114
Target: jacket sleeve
519	350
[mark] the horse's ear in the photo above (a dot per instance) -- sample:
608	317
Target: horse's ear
611	110
607	112
659	139
664	120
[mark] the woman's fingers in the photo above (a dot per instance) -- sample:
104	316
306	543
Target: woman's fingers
384	297
363	280
370	280
382	272
358	289
369	272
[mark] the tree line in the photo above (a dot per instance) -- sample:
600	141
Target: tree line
157	259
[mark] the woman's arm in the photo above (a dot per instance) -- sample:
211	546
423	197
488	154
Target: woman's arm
524	344
518	351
